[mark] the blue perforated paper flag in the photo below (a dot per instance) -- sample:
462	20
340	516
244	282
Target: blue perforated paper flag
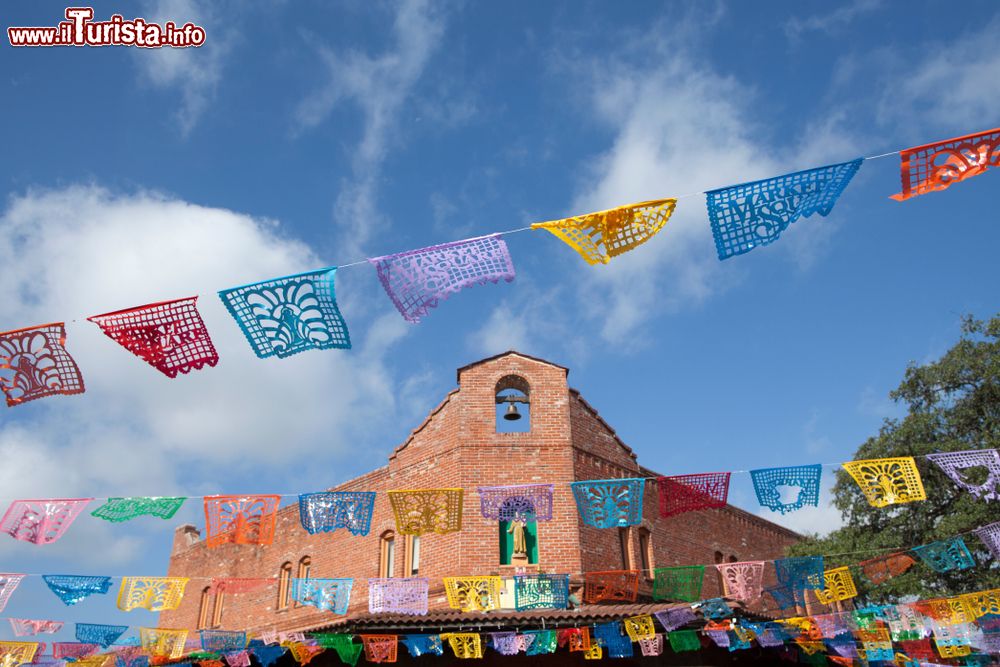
783	596
221	641
610	635
267	655
802	483
71	588
797	574
327	511
754	214
542	642
609	503
324	594
946	555
716	608
126	660
98	633
284	316
419	645
541	591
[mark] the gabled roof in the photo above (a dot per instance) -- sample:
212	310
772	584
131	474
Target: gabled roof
458	373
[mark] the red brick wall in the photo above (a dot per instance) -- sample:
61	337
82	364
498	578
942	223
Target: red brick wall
458	446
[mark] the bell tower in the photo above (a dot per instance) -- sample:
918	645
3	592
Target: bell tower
514	398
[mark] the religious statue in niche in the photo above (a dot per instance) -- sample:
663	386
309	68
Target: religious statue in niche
517	530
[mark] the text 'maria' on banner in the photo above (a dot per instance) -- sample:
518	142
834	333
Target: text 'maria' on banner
754	214
418	280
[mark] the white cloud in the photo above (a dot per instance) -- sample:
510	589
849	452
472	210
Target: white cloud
504	330
81	251
953	85
379	86
195	71
530	319
838	19
679	127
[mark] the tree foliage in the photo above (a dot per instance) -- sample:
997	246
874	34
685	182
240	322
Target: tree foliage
953	405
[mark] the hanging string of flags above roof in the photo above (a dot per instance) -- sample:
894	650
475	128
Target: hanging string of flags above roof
287	315
742	581
603	504
957	623
607	503
250	520
896	633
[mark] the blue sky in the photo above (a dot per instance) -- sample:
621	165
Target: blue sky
308	134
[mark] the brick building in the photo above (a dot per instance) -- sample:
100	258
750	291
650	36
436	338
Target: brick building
461	443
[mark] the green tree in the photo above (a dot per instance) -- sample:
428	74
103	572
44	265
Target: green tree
953	405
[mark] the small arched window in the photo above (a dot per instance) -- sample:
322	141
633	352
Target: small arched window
513	405
302	572
412	566
203	606
284	586
624	535
646	552
220	600
387	554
